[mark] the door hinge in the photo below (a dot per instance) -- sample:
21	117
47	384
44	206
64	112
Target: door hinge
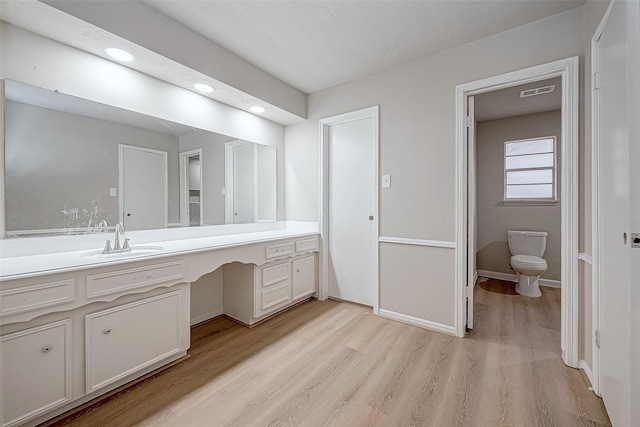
597	80
598	338
467	121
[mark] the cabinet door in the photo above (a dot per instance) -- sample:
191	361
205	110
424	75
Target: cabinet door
125	339
304	277
36	371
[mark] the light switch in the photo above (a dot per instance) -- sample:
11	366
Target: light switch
112	192
223	191
386	181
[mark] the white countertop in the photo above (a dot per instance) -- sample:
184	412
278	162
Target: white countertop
27	265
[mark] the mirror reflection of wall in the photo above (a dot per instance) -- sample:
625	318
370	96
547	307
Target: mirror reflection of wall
62	166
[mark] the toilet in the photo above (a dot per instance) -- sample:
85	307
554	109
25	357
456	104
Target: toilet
527	248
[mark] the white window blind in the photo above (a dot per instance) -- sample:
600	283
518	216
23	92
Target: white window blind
530	169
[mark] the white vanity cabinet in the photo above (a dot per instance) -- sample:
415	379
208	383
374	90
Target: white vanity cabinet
252	293
36	371
68	337
71	334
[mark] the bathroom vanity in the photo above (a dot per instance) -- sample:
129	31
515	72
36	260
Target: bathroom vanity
76	324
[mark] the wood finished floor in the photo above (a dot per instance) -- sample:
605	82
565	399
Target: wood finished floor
334	363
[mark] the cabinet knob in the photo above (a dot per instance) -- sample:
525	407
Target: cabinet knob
107	331
149	275
297	270
47	348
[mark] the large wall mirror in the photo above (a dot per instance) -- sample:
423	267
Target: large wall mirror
73	165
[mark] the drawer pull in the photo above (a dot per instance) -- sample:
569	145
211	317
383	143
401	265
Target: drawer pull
47	348
297	270
107	331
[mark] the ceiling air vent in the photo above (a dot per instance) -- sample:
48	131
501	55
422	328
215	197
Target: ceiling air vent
537	91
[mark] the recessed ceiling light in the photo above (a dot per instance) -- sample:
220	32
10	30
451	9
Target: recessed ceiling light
119	54
257	109
203	87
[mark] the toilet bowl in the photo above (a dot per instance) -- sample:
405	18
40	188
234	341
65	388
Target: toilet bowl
527	248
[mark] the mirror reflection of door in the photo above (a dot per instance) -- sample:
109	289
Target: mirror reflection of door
143	188
243	184
250	182
191	191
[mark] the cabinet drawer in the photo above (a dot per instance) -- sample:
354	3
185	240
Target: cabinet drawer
271	298
117	281
125	339
275	273
283	249
32	297
36	371
307	245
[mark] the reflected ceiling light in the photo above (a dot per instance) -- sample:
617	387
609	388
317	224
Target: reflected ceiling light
256	109
203	87
119	54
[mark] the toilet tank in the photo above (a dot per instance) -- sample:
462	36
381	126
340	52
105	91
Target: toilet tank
527	242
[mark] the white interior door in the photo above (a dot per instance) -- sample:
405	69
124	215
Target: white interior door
612	250
352	199
471	218
143	188
243	184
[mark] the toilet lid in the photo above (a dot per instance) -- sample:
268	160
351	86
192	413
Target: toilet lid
529	260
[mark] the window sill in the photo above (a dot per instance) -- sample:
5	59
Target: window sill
529	202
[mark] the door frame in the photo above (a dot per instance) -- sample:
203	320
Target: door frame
325	124
121	149
185	221
567	69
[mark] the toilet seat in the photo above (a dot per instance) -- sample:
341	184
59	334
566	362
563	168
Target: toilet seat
528	261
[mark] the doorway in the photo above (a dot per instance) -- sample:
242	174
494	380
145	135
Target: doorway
567	70
349	222
143	187
191	192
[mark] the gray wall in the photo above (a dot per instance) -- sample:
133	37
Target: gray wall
417	148
494	217
213	161
59	162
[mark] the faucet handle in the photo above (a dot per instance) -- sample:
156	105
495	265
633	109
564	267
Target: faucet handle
126	247
107	247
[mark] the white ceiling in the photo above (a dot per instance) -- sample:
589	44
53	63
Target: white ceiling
309	45
507	102
313	45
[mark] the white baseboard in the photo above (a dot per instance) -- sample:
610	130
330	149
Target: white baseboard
514	278
206	316
415	321
582	364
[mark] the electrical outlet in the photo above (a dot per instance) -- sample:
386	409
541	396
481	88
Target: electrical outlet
635	240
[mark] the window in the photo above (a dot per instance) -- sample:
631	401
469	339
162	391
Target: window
530	169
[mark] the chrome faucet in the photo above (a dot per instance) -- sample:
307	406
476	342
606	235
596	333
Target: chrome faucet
116	245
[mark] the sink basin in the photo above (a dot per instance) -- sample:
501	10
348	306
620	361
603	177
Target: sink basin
136	250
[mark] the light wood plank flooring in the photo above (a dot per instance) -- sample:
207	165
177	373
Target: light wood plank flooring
334	363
